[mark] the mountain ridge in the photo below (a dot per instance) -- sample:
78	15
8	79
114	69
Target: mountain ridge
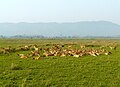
82	28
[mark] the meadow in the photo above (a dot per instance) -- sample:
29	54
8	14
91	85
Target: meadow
60	71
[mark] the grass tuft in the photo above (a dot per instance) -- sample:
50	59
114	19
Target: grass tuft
15	67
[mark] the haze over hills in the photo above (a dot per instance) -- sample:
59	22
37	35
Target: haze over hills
84	28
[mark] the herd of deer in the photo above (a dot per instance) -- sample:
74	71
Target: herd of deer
37	52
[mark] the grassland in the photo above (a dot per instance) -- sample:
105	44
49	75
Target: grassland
85	71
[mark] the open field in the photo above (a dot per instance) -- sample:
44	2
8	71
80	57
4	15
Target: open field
77	63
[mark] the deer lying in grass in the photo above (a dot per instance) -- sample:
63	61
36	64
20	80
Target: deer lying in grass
23	56
7	50
56	50
36	57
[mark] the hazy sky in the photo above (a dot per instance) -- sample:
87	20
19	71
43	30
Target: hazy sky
59	10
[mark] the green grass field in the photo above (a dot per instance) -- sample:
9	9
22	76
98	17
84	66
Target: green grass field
68	71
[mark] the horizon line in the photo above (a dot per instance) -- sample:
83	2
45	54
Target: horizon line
59	22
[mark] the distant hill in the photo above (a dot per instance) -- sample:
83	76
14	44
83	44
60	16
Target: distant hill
86	28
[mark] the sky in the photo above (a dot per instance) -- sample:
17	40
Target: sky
59	10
